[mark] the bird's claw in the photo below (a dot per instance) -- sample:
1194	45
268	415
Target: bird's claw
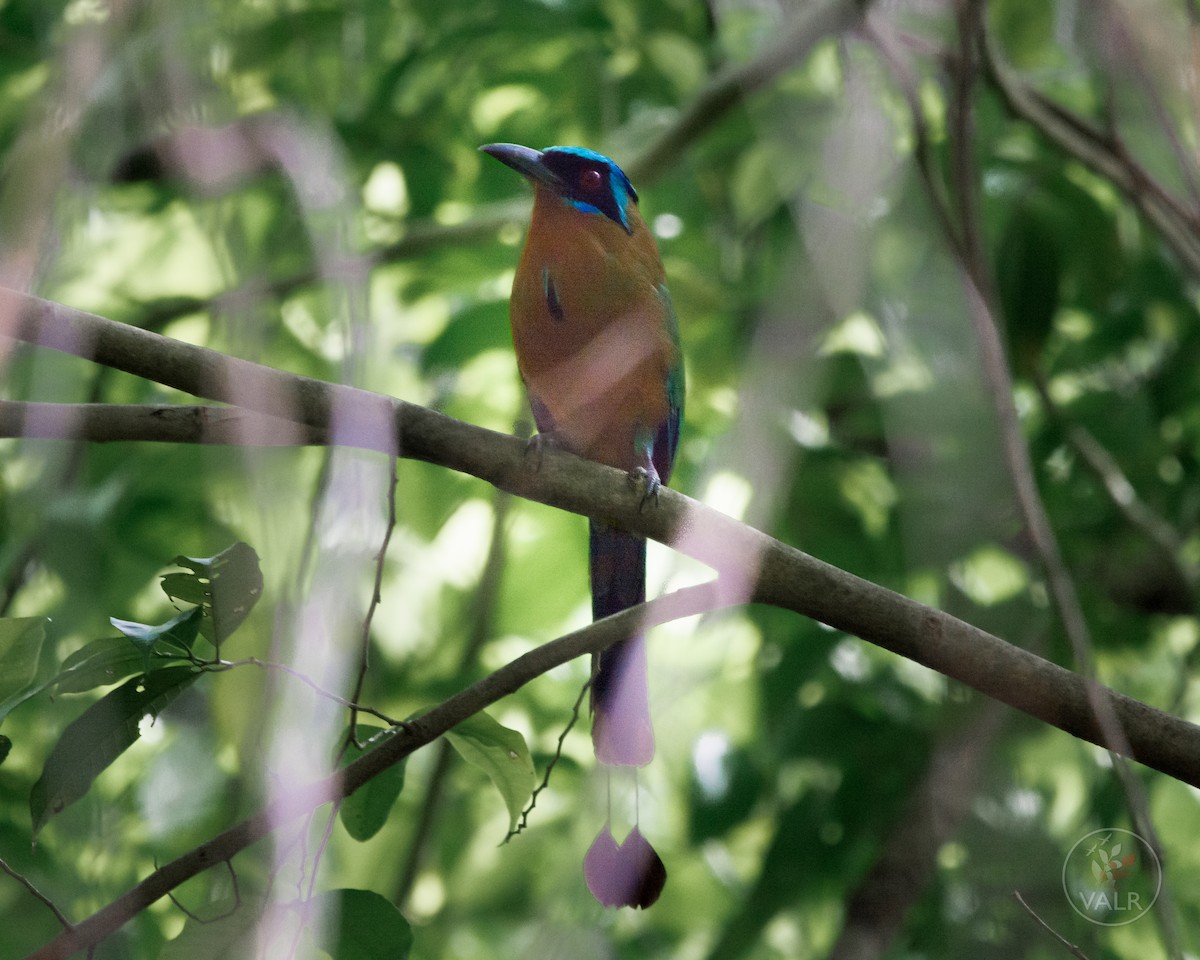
536	446
648	483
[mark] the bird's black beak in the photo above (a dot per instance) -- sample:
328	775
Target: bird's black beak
526	161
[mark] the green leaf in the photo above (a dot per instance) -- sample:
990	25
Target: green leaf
365	811
502	754
179	632
227	586
101	734
368	927
98	664
20	646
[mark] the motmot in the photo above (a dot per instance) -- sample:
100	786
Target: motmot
597	346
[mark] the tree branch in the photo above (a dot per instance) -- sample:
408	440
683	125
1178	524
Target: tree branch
753	567
812	24
1100	152
303	799
153	423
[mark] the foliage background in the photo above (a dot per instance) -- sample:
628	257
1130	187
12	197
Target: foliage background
836	399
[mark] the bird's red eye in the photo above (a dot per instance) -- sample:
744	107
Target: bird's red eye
590	180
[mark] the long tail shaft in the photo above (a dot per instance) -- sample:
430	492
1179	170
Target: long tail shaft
621	729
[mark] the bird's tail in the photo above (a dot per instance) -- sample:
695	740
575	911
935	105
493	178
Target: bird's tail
621	730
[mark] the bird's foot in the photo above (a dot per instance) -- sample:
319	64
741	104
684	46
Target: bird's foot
536	446
646	481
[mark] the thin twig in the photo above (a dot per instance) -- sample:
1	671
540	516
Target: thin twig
299	800
1100	152
1129	54
1072	949
998	379
1137	513
306	895
237	901
575	712
376	600
36	893
220	666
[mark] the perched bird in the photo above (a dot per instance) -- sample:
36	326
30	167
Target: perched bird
597	346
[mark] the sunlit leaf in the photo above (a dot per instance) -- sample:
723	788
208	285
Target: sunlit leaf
990	575
499	752
178	633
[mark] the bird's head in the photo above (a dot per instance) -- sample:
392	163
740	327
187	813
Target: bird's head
587	180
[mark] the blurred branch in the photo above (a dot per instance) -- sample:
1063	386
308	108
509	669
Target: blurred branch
890	50
1102	152
813	23
960	123
1129	55
980	295
876	908
1070	947
482	619
417	240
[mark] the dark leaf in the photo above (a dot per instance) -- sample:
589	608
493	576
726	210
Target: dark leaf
227	585
365	926
101	734
98	664
365	811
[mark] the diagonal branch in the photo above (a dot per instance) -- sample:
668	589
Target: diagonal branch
812	24
753	567
304	799
1104	153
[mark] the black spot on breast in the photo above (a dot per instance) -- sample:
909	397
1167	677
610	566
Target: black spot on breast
553	304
